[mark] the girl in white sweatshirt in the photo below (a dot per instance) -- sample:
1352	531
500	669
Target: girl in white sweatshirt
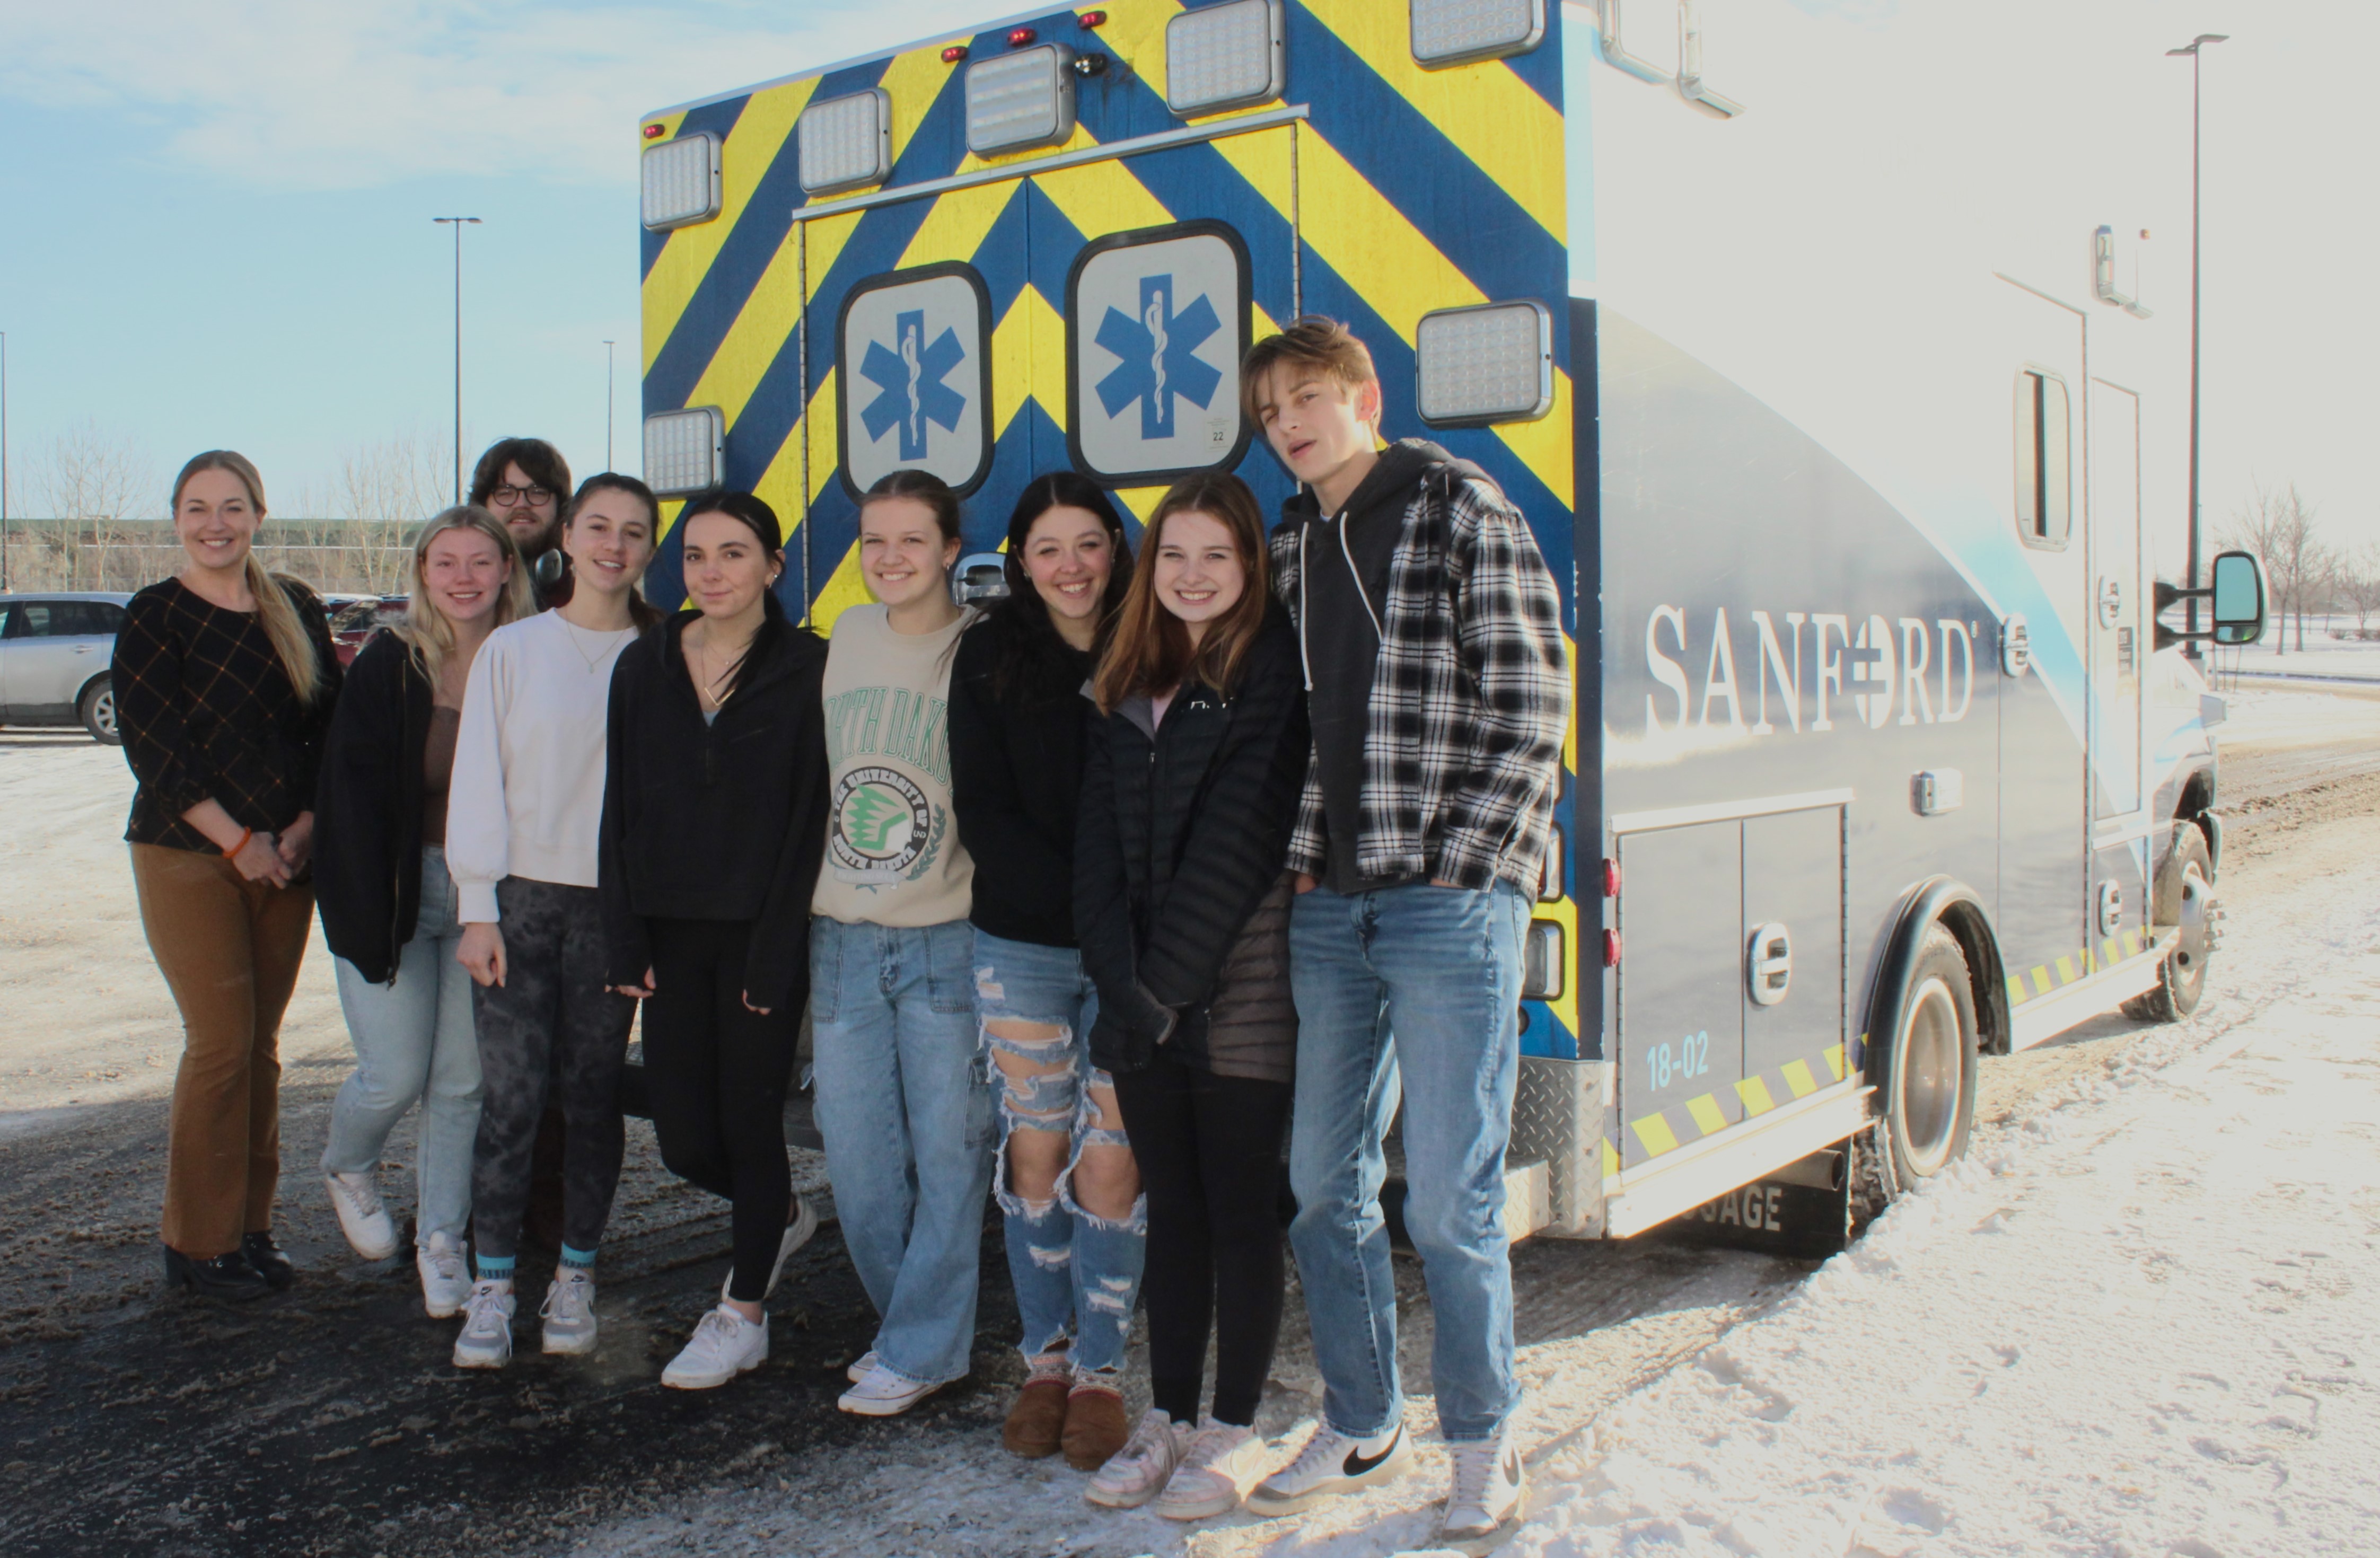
524	821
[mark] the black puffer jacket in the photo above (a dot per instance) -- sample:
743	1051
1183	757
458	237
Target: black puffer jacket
368	809
1179	848
718	821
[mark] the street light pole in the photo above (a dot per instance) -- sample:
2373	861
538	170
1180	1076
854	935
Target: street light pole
2191	647
607	405
458	223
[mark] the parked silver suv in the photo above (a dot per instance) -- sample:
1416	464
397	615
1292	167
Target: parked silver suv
55	653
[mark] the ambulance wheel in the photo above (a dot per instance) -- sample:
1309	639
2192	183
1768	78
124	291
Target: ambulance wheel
2185	897
1925	1101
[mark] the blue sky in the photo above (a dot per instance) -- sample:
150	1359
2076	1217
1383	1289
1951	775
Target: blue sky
218	230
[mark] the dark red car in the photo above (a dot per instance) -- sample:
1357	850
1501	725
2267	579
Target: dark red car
354	618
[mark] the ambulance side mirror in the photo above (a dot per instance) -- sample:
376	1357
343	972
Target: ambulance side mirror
2238	598
980	578
2237	595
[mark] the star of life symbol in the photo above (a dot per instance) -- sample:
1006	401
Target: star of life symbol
908	378
1158	362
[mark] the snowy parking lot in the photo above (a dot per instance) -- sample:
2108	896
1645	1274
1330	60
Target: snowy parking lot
2130	1324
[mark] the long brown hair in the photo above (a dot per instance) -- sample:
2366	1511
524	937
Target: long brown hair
291	644
425	630
1149	649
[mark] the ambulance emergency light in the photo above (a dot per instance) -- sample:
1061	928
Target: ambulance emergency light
846	141
1225	56
1492	363
684	451
681	182
1021	100
1458	32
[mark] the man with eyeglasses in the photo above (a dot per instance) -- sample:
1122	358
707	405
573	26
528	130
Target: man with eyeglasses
524	482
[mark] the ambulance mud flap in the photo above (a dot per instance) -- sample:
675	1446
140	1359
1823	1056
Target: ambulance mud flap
1802	1211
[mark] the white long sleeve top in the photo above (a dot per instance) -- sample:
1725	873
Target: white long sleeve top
527	797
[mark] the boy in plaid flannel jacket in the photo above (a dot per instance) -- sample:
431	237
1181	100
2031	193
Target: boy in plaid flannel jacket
1439	693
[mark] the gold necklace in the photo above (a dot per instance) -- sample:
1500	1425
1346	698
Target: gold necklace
594	663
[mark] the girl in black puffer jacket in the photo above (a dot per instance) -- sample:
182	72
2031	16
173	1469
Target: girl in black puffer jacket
1181	908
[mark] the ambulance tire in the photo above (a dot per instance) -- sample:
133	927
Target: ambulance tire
1924	1106
2185	897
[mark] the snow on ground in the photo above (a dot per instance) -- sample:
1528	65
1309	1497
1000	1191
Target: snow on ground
2139	1324
2322	655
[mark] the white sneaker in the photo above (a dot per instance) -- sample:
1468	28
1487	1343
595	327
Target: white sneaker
857	1369
1333	1464
1222	1463
797	1233
881	1392
355	1197
723	1346
569	1312
445	1281
1484	1510
1139	1471
486	1341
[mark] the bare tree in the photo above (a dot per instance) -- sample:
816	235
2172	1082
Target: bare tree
99	483
387	488
2277	524
2358	583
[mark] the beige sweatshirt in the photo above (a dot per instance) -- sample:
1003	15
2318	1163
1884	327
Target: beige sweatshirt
893	851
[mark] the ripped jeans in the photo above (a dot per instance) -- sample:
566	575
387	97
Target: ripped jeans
1075	1272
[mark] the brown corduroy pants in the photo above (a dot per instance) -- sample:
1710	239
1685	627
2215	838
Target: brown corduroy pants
229	950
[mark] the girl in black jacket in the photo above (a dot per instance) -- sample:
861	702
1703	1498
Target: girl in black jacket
1069	1194
389	906
714	820
1182	908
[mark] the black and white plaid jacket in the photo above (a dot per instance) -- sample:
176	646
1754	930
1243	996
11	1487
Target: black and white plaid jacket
1470	699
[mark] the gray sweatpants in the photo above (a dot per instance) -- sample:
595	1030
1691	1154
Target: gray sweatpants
550	1025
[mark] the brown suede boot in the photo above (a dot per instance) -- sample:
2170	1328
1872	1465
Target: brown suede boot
1038	1417
1096	1428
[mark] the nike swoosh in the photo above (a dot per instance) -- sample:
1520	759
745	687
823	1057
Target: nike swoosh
1513	1468
1356	1464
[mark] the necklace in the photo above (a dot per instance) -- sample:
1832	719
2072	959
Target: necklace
595	661
706	681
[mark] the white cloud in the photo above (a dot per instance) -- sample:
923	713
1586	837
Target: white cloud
292	95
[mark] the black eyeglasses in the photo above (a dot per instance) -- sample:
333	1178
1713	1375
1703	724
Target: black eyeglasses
508	496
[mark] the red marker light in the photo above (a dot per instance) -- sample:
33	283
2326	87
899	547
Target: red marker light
954	53
1020	36
1611	949
1093	19
652	132
1612	878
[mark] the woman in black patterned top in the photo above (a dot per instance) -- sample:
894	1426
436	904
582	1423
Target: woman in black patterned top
225	679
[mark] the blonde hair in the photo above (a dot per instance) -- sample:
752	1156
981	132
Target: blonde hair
426	630
292	645
1149	651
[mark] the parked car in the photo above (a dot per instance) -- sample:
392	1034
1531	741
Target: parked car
355	618
54	654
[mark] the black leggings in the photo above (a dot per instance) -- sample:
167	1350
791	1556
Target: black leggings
715	1073
551	1029
1209	1154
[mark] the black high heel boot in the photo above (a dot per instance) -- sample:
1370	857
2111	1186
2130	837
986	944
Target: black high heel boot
278	1271
227	1277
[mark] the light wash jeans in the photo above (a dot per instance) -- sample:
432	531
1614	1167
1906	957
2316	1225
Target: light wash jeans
1075	1273
414	1041
1422	984
906	1115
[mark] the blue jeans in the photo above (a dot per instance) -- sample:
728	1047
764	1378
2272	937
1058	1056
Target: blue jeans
1425	982
1075	1272
414	1041
907	1116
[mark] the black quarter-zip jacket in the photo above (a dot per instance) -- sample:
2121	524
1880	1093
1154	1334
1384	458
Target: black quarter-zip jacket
724	820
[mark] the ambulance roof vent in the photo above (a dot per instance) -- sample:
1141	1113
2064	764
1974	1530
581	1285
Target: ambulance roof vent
1021	100
1232	55
1493	363
681	179
1459	31
846	141
685	451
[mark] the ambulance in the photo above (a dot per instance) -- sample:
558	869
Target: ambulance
1824	381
